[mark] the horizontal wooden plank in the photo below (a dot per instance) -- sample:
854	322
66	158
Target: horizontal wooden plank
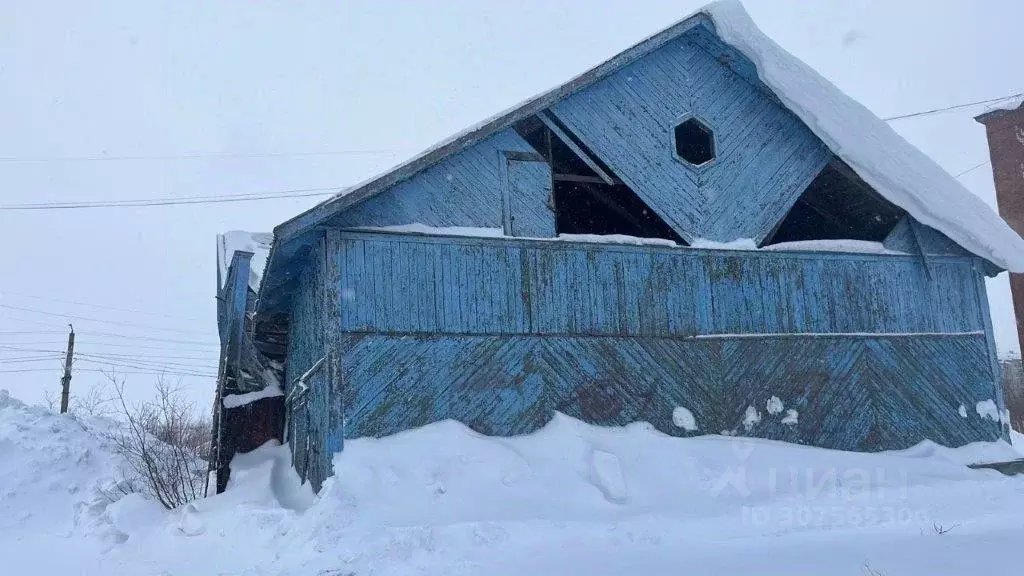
414	284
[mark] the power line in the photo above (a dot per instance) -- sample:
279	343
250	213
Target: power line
175	200
91	340
196	156
20	349
33	321
157	356
102	371
27	359
90	319
193	370
183	345
98	306
954	107
973	168
91	344
150	338
301	192
158	359
210	362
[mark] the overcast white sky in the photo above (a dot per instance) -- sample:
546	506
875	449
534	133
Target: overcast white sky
115	79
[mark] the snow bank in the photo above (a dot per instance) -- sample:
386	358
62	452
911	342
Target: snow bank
974	453
579	499
569	499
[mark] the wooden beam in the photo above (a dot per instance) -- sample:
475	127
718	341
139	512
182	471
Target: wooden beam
582	179
920	247
553	126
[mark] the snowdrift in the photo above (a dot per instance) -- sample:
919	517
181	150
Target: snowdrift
569	499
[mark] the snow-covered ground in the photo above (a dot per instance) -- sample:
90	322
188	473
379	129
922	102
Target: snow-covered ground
569	499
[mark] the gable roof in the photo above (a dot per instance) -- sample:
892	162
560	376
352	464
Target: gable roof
892	166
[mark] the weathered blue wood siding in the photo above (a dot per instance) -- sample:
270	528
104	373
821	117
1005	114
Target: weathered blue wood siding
527	201
765	156
308	413
867	350
232	303
911	236
465	189
848	392
478	286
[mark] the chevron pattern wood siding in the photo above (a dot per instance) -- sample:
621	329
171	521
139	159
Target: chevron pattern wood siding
500	333
765	156
420	284
848	393
465	189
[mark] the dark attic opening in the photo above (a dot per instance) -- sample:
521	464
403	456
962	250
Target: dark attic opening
588	199
838	205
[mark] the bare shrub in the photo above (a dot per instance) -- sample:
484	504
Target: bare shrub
869	571
164	445
96	402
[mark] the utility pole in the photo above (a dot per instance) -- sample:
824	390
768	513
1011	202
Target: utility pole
65	382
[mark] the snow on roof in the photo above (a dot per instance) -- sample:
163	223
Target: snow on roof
240	241
1012	103
892	166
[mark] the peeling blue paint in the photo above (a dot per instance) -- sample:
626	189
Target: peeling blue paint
765	159
500	333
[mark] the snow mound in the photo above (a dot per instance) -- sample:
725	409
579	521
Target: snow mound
973	453
570	498
579	499
56	487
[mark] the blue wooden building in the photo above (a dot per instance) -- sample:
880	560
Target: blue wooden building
688	229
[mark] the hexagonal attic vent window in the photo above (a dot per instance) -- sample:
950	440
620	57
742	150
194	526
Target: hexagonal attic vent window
695	142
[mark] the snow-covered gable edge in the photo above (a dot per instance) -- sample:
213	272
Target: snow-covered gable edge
892	166
240	241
